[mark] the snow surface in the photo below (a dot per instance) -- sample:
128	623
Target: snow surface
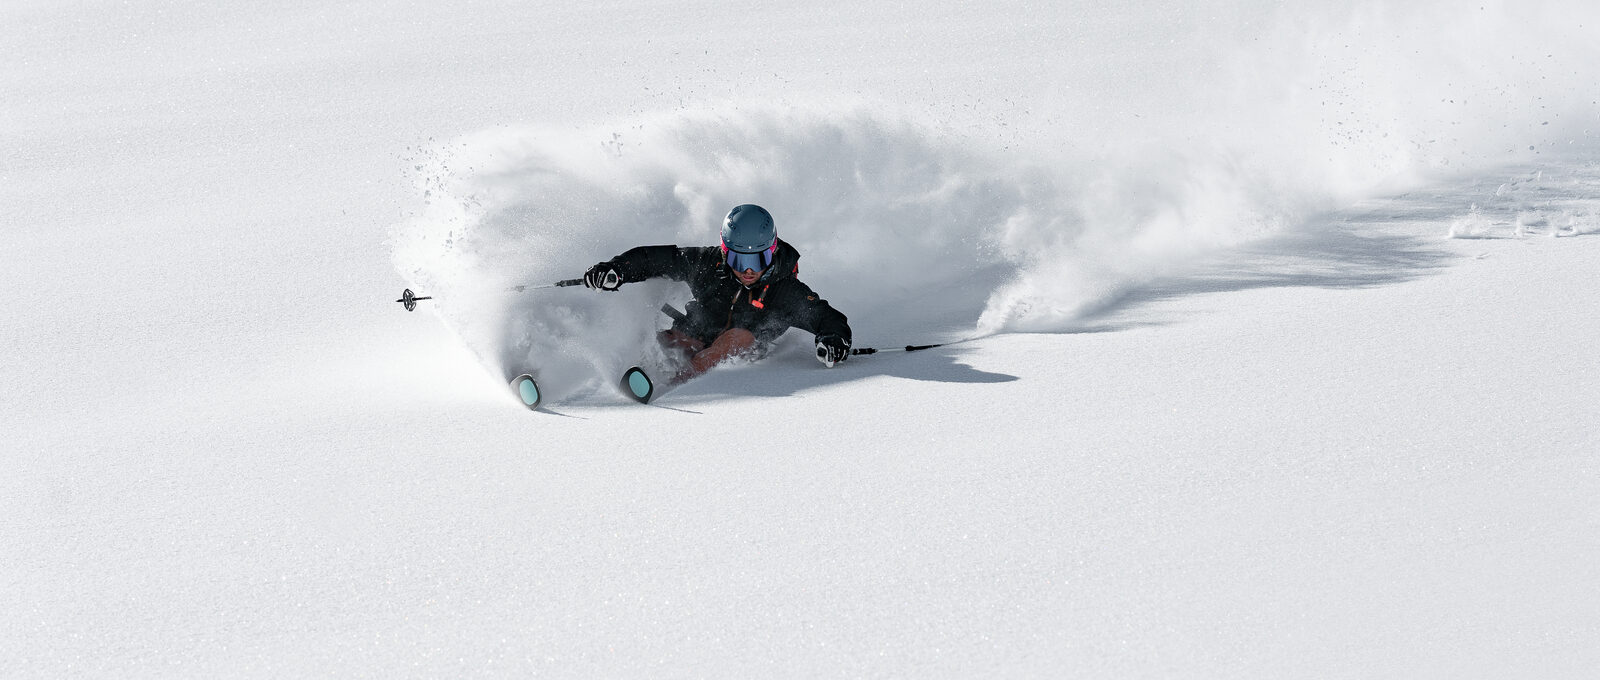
1280	325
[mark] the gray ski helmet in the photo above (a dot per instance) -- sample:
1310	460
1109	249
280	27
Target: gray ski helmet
748	228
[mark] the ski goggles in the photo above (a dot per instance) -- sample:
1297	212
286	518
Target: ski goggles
756	261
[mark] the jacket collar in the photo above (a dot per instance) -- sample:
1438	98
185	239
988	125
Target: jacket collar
785	264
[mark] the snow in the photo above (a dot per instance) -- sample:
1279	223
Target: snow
1277	334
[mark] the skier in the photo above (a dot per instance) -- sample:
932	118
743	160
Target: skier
746	294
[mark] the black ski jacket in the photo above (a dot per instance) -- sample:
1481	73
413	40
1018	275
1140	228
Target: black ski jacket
773	304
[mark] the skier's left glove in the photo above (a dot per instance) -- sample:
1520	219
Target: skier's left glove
603	276
832	349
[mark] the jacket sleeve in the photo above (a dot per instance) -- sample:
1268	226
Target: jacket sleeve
807	311
649	262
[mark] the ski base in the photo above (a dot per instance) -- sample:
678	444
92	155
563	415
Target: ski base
527	390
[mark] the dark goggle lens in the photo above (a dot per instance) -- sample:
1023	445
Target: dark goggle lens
751	261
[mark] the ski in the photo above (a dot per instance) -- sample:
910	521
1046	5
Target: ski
637	385
527	390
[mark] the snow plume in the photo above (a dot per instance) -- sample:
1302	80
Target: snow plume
913	232
1123	224
1310	108
919	233
896	225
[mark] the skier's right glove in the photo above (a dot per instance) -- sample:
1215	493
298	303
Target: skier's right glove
603	276
832	349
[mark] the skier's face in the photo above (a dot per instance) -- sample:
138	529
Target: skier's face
748	276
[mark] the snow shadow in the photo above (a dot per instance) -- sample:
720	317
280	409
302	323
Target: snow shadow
1380	241
1339	258
791	370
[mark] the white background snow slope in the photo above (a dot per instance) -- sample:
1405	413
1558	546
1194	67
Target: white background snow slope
1285	360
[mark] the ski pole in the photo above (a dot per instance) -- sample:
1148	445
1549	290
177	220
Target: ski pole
907	348
409	299
559	284
913	348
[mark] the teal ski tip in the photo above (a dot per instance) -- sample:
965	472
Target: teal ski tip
527	390
637	385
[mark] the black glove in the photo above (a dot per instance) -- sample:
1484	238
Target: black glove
832	349
603	276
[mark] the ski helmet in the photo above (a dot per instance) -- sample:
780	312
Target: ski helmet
749	238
